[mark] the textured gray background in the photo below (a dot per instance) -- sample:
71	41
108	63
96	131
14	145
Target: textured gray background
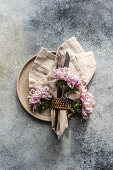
27	143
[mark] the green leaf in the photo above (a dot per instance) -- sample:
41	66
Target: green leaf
63	85
44	105
76	106
65	88
75	89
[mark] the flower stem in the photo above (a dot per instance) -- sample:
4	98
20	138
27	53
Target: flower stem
58	119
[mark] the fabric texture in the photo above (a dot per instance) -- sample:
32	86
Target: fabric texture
45	62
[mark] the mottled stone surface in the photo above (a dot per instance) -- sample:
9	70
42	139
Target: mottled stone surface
27	143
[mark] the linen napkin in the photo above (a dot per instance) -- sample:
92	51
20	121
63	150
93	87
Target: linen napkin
45	62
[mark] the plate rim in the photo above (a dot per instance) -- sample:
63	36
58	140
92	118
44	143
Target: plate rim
41	117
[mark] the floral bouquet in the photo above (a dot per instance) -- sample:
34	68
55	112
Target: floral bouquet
66	80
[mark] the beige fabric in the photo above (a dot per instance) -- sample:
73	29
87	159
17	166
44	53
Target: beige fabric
83	62
87	64
63	121
44	63
42	66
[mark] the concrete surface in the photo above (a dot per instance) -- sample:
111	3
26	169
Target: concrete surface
27	143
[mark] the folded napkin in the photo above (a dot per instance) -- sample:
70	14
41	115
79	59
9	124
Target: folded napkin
45	62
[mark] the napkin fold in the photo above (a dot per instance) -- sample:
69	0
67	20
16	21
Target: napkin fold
45	62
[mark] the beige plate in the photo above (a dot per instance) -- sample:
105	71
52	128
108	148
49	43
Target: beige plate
23	90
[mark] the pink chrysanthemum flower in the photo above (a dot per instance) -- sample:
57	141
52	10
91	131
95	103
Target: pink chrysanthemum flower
36	94
72	77
87	103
